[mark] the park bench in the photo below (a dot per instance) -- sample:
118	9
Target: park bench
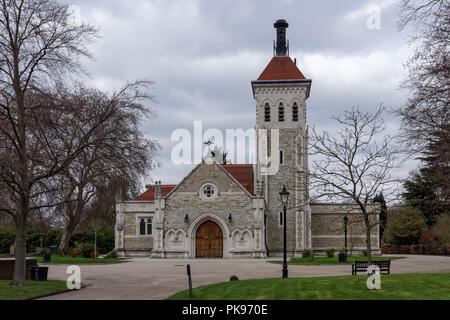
361	266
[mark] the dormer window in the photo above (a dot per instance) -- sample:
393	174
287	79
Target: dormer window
281	113
295	112
267	113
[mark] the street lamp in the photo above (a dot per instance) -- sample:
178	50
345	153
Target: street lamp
284	197
345	231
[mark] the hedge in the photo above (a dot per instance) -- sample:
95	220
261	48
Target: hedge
416	249
105	239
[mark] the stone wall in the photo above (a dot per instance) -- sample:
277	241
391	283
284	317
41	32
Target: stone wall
287	176
327	228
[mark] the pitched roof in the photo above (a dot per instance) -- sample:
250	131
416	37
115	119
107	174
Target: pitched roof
281	68
149	195
243	173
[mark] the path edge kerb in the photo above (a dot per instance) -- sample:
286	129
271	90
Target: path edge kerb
55	293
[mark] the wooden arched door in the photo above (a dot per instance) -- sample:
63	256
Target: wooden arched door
209	241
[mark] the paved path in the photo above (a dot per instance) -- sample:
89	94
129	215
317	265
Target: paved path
145	279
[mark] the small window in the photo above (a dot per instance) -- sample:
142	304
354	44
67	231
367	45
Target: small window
281	218
267	113
209	192
295	112
149	226
281	157
142	227
281	113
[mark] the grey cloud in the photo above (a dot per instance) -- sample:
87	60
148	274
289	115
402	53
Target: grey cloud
204	54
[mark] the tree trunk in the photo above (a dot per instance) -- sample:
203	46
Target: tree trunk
20	251
369	243
65	239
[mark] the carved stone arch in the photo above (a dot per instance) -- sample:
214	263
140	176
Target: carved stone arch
280	100
192	232
175	240
242	240
295	100
267	101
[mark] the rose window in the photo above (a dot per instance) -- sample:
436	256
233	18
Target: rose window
209	192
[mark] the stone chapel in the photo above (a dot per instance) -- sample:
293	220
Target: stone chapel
234	210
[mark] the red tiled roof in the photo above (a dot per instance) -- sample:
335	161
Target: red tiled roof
243	173
281	68
149	195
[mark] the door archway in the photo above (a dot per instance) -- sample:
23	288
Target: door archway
209	241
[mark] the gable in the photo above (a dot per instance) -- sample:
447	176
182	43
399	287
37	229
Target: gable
217	175
228	178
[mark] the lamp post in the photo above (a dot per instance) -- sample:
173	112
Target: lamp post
284	196
345	231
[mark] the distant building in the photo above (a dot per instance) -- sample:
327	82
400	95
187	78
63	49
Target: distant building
234	211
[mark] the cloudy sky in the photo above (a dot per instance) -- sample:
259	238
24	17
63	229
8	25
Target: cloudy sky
204	54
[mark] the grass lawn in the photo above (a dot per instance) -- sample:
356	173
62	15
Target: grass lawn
31	290
393	287
56	259
335	260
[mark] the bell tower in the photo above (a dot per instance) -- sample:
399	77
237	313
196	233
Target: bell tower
281	93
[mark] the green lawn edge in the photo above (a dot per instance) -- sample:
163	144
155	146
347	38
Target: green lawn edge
394	287
68	260
32	290
332	261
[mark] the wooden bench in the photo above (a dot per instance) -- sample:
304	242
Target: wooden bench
361	266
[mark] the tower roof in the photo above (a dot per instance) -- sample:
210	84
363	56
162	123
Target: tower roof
281	68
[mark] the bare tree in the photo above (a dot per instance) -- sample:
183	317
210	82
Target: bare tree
63	127
354	165
38	43
426	115
122	151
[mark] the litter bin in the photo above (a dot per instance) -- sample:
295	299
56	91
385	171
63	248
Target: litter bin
33	273
47	257
41	273
343	257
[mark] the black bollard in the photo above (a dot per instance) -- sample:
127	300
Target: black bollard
190	279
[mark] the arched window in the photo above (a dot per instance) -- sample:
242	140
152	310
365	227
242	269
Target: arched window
149	226
267	113
281	218
142	227
281	157
295	112
281	113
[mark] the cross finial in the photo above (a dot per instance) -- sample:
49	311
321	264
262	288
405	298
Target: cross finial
209	143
